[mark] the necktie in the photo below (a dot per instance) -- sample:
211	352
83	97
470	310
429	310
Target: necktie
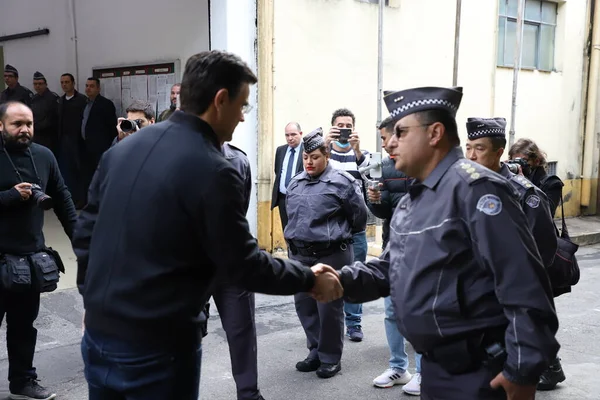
288	172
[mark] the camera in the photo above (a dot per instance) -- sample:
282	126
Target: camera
513	166
129	125
42	200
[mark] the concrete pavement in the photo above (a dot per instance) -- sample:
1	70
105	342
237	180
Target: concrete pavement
281	344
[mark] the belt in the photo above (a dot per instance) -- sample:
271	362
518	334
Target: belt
469	352
317	249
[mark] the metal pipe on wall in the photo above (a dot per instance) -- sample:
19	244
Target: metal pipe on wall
379	69
456	42
74	28
516	68
589	142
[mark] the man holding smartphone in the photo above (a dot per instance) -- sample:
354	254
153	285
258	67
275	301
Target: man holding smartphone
345	154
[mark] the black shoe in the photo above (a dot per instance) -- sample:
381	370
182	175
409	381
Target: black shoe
32	391
328	370
552	376
308	365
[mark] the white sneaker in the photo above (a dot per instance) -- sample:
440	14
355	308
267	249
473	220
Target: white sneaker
414	386
392	377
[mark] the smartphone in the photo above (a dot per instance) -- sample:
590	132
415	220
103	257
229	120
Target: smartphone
344	135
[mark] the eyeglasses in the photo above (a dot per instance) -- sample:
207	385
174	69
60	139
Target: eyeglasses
400	129
246	108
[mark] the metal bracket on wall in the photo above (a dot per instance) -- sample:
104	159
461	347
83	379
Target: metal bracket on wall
39	32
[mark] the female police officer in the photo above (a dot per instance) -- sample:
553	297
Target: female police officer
325	206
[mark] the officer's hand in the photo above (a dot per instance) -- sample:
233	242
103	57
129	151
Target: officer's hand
374	196
520	170
24	190
327	284
334	134
513	391
354	141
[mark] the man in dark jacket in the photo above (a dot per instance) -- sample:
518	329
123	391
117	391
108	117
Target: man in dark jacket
167	204
45	113
14	91
22	164
70	114
98	129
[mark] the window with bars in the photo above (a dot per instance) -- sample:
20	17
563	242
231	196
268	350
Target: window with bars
539	31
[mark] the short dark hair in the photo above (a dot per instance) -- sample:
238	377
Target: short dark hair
498	143
142	106
5	106
69	75
342	112
208	72
431	116
91	78
386	124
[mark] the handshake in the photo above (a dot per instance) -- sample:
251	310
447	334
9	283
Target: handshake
327	284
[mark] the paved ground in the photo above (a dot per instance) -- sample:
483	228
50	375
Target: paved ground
281	343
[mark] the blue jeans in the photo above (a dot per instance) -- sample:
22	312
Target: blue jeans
398	356
119	370
354	311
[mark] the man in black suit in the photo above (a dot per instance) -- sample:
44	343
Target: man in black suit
288	162
98	129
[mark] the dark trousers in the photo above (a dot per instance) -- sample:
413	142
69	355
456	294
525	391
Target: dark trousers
236	309
323	323
21	310
282	211
120	370
70	169
437	384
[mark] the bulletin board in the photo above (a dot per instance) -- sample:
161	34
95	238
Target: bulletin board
150	82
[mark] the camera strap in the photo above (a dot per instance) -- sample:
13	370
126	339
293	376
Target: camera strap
37	175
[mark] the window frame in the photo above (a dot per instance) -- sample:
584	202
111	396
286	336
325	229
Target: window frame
538	24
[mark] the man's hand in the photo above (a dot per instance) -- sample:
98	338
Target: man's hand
24	190
334	134
374	196
327	284
355	142
121	135
513	391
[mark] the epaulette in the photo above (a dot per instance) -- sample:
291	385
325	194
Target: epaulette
522	181
237	148
347	175
472	172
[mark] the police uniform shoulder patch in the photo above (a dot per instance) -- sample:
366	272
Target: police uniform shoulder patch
470	171
521	180
489	204
533	201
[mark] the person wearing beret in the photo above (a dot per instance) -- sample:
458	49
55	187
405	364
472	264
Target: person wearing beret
14	91
325	207
462	268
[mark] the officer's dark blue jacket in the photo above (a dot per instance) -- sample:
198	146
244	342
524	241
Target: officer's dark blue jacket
164	223
462	259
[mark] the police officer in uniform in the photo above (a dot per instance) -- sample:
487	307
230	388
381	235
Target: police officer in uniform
236	305
14	91
325	207
462	268
485	146
45	113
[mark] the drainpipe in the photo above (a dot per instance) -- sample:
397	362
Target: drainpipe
591	115
379	70
74	32
456	42
266	139
516	68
